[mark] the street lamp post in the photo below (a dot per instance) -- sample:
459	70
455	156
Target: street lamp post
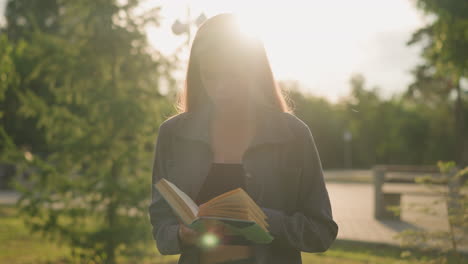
347	137
180	28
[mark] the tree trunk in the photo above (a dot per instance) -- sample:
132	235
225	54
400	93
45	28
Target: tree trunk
111	221
461	133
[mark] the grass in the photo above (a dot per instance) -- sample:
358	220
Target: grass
20	247
350	252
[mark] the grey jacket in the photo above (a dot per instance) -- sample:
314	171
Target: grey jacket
284	177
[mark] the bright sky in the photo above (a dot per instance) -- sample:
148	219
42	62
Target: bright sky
319	43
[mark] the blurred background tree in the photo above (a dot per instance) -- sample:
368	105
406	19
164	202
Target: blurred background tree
394	130
445	63
82	105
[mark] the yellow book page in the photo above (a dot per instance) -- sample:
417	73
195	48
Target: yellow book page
241	195
241	199
227	214
234	196
221	196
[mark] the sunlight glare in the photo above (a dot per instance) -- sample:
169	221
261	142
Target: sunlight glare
249	26
319	43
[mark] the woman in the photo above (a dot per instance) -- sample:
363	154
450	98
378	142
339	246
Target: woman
236	130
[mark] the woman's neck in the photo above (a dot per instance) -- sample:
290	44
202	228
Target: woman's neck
233	114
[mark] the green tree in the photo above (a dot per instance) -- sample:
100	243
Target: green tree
455	198
386	131
88	88
445	55
9	81
323	119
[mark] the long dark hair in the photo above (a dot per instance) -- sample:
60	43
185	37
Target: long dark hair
223	32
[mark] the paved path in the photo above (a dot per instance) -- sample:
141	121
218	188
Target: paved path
352	208
8	197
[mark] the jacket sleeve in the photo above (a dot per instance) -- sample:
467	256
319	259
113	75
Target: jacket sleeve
165	224
311	228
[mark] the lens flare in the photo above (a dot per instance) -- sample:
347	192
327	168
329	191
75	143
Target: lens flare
209	240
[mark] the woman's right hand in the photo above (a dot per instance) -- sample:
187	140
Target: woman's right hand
189	236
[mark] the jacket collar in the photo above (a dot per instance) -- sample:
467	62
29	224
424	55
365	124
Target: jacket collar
272	127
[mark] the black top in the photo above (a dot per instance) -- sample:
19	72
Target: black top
222	178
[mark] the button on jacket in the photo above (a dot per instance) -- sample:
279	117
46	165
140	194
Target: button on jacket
284	177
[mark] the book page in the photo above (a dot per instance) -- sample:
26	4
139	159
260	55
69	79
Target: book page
188	201
242	199
234	204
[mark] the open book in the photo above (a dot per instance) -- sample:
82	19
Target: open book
235	209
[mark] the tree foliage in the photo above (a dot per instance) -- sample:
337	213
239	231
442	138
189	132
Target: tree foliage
384	131
87	95
445	55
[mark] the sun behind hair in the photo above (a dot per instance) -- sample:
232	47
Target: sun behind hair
222	33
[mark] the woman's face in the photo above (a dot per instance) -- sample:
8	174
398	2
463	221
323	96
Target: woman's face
224	79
